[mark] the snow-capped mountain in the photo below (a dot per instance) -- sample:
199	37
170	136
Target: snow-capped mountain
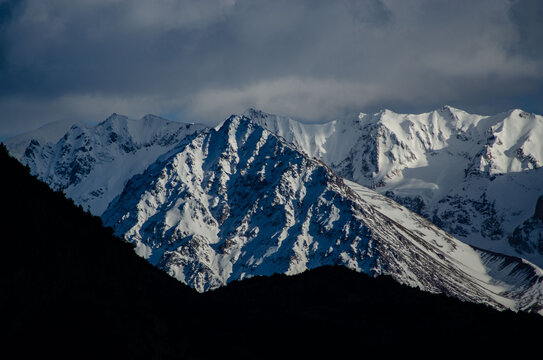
238	201
216	205
48	133
478	177
92	164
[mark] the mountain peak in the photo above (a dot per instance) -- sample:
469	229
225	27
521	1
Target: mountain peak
113	120
240	201
114	116
519	113
251	112
92	164
385	111
235	121
450	108
152	117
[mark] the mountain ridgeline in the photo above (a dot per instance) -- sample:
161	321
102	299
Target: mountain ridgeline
72	289
92	164
260	194
238	201
477	177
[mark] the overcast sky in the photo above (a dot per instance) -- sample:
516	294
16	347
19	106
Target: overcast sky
313	60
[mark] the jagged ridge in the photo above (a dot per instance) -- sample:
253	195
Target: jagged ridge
238	201
191	222
92	164
476	176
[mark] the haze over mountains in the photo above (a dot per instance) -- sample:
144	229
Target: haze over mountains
237	201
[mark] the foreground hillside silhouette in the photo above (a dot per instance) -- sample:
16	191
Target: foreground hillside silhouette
72	289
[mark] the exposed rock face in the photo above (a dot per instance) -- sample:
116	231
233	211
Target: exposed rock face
238	201
528	237
475	176
92	164
538	214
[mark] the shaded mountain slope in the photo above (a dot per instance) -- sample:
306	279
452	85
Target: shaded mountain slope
238	201
92	164
477	177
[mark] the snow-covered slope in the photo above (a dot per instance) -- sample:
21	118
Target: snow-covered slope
478	177
216	205
92	164
48	133
238	201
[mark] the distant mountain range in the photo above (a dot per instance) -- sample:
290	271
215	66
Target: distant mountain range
262	194
92	164
477	177
71	289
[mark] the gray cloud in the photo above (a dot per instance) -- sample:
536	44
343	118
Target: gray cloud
202	60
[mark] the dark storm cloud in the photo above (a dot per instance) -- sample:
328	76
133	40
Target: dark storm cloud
202	60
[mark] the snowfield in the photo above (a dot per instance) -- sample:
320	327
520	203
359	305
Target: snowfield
478	177
261	194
